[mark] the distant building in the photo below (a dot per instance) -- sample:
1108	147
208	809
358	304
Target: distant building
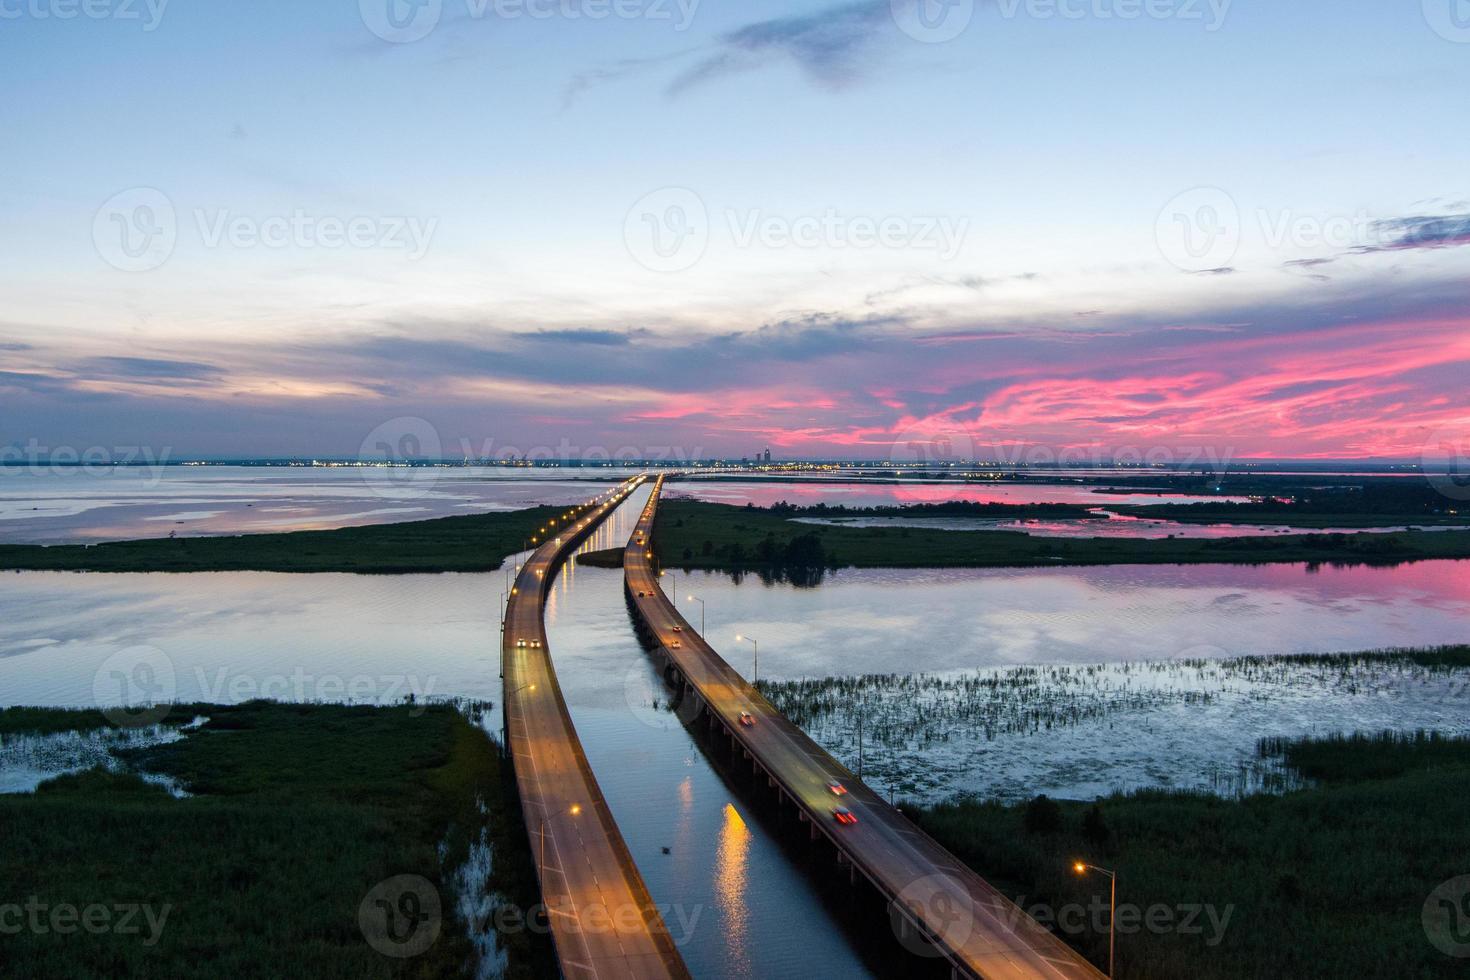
767	457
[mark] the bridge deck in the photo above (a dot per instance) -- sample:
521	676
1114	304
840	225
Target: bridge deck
965	919
603	921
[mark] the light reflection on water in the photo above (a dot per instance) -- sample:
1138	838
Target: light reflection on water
229	634
664	793
806	493
731	874
878	620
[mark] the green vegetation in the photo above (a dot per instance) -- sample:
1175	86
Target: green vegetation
694	534
477	543
607	558
300	811
1371	505
1326	882
923	709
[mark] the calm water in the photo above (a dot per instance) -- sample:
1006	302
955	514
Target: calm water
57	505
232	632
1114	526
79	639
758	914
53	505
764	493
878	620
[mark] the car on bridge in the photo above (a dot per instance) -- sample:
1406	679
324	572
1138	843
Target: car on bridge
678	629
837	788
843	815
674	644
747	719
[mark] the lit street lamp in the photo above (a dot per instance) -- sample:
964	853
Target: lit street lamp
1082	868
695	598
675	588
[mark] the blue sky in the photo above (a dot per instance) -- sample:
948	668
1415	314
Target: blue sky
505	170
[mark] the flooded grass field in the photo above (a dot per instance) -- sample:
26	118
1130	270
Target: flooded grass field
1078	732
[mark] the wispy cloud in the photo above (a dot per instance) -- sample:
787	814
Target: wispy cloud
1420	232
827	45
147	369
833	47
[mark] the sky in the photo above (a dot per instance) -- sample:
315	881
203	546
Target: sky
874	229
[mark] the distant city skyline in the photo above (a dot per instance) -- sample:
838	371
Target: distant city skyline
1241	230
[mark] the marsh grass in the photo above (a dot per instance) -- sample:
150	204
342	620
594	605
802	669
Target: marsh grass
1327	881
693	534
298	811
906	710
473	543
1094	728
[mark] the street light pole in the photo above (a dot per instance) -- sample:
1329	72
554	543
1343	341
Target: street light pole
1082	868
676	586
695	598
755	674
